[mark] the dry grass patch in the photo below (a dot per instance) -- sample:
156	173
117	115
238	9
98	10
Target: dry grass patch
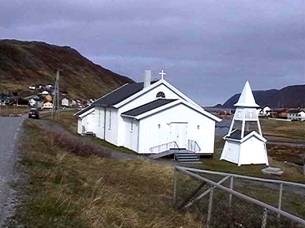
68	190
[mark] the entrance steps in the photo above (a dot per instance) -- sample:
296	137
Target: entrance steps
186	156
180	155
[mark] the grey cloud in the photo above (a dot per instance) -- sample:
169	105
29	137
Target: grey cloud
209	48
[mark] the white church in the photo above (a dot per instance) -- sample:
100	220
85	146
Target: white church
150	118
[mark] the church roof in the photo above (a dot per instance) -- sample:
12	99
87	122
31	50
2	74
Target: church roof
246	98
147	107
237	134
120	94
115	96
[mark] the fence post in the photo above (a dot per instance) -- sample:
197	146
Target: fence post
280	199
264	220
210	207
231	187
174	186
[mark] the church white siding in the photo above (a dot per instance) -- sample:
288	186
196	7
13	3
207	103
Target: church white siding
87	123
158	129
100	122
131	133
111	131
143	99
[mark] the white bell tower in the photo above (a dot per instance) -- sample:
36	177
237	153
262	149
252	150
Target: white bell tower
245	143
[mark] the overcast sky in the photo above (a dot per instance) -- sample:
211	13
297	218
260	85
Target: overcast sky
208	48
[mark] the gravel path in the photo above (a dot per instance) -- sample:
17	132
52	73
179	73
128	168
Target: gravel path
10	127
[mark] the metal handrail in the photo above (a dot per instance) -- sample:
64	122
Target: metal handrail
245	177
193	146
163	147
239	195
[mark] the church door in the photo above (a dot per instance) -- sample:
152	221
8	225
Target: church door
179	134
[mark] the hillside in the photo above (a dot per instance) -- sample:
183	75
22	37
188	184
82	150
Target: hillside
288	97
28	63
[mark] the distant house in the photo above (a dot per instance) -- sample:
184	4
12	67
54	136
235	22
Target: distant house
296	114
279	113
44	92
73	103
47	105
65	102
265	111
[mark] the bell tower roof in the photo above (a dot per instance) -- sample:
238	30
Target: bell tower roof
246	98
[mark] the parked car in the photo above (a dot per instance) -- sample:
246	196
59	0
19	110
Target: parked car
34	113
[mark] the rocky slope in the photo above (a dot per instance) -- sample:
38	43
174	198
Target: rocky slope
30	63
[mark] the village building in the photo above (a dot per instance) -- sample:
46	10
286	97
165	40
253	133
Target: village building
296	115
44	92
149	118
65	102
245	144
265	111
47	105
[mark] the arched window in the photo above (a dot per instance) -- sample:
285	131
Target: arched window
160	95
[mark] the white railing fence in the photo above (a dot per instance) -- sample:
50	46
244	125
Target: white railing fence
193	146
227	204
163	147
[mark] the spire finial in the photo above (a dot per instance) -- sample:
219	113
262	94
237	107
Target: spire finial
162	73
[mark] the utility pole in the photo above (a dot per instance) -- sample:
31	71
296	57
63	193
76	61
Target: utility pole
55	110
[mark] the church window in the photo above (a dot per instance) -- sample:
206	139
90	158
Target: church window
159	126
109	122
160	95
99	117
131	126
198	127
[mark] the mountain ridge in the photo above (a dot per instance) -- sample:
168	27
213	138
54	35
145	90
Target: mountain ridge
25	63
292	96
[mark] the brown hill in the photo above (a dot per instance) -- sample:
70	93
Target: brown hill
30	63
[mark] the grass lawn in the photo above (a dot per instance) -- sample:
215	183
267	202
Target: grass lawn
67	190
13	110
64	189
291	172
285	130
69	122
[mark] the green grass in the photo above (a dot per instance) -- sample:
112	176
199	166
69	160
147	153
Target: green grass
69	122
66	190
291	172
289	130
13	110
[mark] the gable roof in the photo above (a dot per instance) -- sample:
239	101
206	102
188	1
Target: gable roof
295	111
153	86
120	94
147	110
147	107
236	136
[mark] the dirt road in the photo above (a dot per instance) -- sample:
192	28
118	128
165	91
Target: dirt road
9	129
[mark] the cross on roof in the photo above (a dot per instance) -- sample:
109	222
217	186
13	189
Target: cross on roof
162	73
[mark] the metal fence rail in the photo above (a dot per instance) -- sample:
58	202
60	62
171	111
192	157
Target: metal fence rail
213	185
